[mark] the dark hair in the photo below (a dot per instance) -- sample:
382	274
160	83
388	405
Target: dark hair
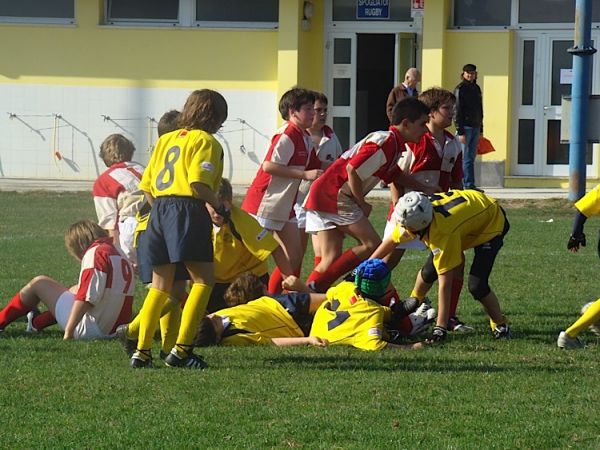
319	96
244	288
225	192
409	108
435	97
206	335
168	122
294	99
204	109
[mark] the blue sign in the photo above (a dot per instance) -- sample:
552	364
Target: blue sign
372	9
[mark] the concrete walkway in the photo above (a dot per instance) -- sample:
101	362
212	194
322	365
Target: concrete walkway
24	185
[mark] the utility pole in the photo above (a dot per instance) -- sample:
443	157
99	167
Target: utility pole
582	52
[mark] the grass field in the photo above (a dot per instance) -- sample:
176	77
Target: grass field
474	392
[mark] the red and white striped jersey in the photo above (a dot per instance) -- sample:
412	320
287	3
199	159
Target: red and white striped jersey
272	197
374	158
106	281
117	194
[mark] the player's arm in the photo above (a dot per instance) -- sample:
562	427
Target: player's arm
356	188
282	262
77	312
386	247
291	341
149	197
577	237
205	193
280	170
413	346
396	191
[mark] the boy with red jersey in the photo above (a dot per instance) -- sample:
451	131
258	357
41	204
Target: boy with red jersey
336	203
290	159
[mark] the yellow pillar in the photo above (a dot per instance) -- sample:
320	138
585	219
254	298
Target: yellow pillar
88	13
290	18
435	21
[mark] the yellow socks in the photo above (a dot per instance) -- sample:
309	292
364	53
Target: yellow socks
591	316
194	310
149	316
170	320
418	296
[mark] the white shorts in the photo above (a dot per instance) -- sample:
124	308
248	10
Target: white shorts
273	225
300	216
320	221
86	329
416	244
126	237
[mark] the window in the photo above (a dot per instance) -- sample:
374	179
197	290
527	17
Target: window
265	12
51	11
345	10
157	11
552	11
482	13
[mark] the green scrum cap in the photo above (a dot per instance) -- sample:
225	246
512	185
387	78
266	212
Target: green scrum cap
372	278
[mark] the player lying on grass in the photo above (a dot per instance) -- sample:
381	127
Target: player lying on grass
587	206
351	314
282	320
100	301
450	223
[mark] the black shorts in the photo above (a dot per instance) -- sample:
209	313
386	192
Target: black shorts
297	304
145	267
179	229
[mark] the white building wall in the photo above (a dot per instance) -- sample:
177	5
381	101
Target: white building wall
35	143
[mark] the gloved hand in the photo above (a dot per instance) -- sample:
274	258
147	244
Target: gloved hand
438	335
575	241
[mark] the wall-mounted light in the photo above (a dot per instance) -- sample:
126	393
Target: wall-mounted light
308	11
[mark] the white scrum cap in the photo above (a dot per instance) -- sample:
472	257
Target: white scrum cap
414	211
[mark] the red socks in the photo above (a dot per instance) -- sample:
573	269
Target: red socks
13	311
457	284
43	320
344	264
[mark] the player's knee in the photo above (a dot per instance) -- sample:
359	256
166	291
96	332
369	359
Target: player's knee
428	273
478	288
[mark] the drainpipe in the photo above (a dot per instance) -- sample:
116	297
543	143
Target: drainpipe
582	52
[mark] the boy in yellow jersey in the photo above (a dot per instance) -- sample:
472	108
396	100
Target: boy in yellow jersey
240	245
170	318
450	223
183	175
281	320
587	206
351	314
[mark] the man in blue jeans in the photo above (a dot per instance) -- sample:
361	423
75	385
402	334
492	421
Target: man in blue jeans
469	121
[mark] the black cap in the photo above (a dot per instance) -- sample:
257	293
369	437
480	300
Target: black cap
469	68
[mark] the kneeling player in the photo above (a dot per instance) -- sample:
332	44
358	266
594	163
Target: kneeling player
99	303
448	224
587	206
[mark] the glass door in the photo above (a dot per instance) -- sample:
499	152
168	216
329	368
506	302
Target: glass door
544	75
342	86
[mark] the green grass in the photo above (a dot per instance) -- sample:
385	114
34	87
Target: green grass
472	393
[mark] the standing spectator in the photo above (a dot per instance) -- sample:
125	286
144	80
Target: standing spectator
469	121
408	88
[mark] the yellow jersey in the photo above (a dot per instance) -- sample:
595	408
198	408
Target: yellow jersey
346	318
233	257
589	204
257	322
462	219
181	158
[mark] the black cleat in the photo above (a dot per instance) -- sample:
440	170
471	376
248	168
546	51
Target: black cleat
192	361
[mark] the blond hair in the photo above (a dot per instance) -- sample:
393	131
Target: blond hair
116	148
81	235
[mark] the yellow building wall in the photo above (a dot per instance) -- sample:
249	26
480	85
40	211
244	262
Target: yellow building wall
91	54
312	45
492	53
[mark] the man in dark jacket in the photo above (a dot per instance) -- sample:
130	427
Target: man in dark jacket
469	121
408	88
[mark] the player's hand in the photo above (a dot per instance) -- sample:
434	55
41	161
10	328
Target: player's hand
223	212
317	341
312	174
438	336
290	283
575	242
462	138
